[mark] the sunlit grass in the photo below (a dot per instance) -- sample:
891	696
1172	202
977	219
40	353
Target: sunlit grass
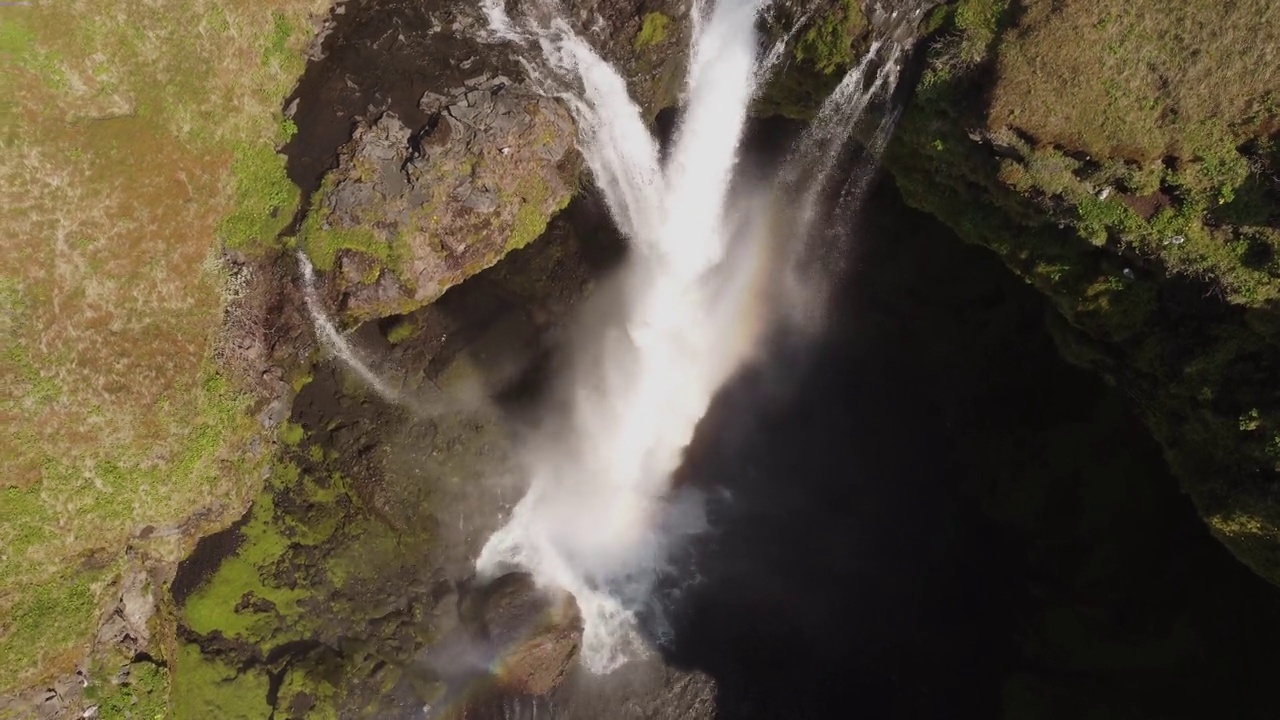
1139	79
119	123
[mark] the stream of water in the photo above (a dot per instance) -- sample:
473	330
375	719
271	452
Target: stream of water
715	265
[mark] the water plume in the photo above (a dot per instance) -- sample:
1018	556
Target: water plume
711	258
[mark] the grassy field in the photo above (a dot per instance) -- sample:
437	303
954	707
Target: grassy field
135	137
1140	80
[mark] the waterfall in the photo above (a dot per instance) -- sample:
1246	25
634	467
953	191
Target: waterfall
709	260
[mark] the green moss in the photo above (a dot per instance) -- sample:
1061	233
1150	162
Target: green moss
838	33
323	242
828	44
351	564
205	688
653	30
402	331
305	695
530	222
242	599
291	434
265	199
533	196
301	380
318	500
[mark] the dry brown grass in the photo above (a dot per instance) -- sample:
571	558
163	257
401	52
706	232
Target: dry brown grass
119	122
1139	78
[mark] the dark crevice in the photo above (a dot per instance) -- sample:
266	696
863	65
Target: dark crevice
204	560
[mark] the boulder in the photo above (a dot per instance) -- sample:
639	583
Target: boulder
410	212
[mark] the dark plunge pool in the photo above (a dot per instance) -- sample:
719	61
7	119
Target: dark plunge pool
936	516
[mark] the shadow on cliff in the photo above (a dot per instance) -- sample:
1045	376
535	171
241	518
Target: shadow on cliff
938	517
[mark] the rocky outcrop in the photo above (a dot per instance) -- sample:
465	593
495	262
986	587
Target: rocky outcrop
430	189
332	594
647	41
410	212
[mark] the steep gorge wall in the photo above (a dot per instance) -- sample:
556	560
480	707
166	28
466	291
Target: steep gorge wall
1124	159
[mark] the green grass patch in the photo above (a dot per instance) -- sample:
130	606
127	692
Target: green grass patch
265	198
1137	78
121	421
47	621
144	696
107	508
279	50
20	45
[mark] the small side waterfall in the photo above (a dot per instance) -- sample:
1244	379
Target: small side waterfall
714	267
333	341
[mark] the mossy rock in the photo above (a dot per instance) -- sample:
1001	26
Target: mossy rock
836	35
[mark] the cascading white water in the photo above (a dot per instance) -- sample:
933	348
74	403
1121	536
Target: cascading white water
599	518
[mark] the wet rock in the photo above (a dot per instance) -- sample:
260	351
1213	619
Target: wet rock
540	632
652	64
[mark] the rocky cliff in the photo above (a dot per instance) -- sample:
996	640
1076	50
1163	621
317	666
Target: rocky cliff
1122	158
